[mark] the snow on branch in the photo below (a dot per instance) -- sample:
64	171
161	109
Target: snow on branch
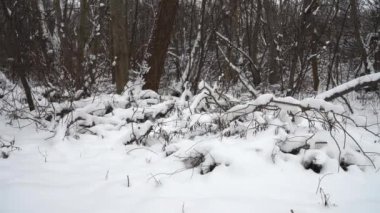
288	103
238	49
350	86
242	77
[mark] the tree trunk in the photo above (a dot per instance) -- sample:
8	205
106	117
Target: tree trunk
202	49
83	36
28	93
132	45
356	22
56	38
274	73
309	8
314	67
119	41
159	42
292	72
255	42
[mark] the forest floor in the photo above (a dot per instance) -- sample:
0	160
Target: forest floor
51	174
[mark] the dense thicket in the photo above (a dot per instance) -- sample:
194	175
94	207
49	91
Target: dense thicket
72	46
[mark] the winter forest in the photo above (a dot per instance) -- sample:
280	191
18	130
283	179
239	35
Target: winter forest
183	106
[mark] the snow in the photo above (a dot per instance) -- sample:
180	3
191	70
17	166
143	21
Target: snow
142	152
91	176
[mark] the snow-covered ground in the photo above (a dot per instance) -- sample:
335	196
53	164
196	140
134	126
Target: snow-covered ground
98	175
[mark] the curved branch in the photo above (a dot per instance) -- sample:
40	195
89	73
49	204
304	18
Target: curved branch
357	83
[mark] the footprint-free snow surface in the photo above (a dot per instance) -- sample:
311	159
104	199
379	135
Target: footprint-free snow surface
51	174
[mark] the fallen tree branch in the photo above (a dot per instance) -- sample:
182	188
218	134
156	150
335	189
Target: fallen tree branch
355	84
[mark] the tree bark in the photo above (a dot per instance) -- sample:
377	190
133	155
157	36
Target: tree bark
159	43
310	7
119	41
202	49
274	73
83	36
356	22
255	42
28	93
132	45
